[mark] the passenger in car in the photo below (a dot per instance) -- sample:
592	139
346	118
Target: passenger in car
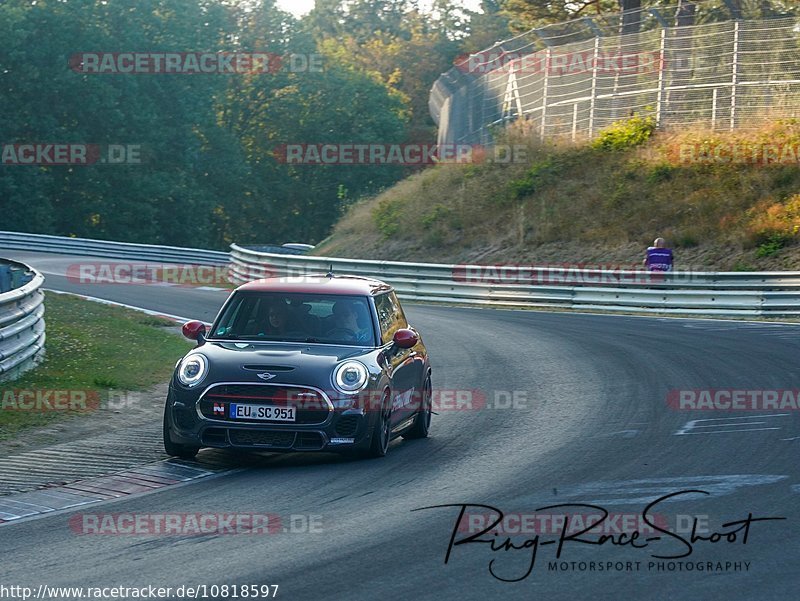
278	318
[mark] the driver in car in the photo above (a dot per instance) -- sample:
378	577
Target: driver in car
346	326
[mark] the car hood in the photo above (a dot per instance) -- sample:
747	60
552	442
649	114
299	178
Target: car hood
288	363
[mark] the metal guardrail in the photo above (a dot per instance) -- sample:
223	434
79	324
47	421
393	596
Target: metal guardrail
744	294
22	331
107	248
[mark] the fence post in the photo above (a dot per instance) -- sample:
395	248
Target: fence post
574	121
735	74
714	109
511	99
661	60
547	59
594	85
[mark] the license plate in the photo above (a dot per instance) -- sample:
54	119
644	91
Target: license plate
262	412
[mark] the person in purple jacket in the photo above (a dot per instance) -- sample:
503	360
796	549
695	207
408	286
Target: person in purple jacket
658	257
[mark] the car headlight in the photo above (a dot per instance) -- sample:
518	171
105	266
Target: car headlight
192	369
350	376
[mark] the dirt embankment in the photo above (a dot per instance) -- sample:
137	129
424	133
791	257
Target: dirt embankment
727	202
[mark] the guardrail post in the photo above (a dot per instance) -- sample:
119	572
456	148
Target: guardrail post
19	277
5	278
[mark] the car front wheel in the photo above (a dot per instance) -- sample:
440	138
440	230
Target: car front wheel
422	422
174	449
381	430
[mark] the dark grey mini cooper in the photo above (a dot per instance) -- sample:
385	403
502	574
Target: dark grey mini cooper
324	363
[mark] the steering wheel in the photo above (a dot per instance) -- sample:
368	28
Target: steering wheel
346	333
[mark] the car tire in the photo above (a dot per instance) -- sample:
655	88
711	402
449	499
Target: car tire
422	422
174	449
381	431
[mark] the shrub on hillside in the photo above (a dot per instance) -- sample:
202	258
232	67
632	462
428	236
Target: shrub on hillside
386	215
625	134
536	177
770	227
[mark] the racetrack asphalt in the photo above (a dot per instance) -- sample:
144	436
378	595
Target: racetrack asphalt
591	425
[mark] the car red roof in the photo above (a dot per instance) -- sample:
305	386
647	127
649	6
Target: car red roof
344	285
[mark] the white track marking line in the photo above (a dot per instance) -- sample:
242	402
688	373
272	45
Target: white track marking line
104	301
731	424
716	419
728	431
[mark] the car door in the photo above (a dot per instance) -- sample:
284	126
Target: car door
416	367
400	361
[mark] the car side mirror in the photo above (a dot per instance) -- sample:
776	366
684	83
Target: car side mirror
405	338
195	330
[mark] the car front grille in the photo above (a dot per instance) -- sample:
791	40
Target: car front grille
215	437
284	440
311	407
347	425
267	438
309	441
183	417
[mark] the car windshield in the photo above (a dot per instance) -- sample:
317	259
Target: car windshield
330	319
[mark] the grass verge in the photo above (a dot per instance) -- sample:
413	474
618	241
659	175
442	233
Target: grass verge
93	349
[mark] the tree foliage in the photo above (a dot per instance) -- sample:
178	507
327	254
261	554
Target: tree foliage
209	174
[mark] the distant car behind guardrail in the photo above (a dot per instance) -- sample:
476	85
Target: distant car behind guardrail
305	248
289	248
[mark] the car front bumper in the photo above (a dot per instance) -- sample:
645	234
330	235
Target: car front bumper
340	430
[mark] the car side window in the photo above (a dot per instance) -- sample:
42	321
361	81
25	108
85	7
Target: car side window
390	315
400	315
237	316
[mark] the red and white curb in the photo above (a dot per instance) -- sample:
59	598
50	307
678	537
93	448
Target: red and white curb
136	481
133	481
